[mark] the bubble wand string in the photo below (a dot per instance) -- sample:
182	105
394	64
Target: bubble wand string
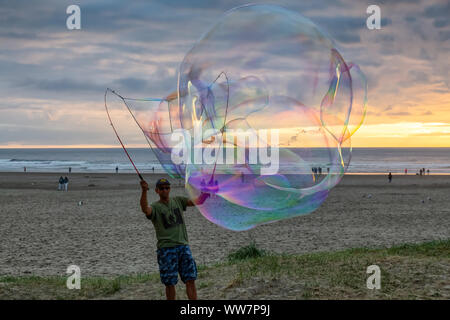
117	135
224	121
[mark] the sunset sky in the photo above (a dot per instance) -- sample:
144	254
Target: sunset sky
52	80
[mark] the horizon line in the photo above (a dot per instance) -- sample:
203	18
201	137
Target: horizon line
145	147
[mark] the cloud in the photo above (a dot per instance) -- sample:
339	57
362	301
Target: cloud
132	83
63	85
18	35
347	29
439	10
58	136
398	114
410	19
441	23
418	76
136	47
440	13
432	134
343	29
444	35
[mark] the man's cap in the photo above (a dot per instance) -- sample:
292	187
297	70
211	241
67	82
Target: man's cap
162	182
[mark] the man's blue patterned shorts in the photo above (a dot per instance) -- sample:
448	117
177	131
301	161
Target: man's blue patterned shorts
176	260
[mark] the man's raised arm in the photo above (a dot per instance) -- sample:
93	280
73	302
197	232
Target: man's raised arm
144	202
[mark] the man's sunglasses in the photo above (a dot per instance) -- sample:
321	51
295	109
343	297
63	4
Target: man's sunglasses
164	188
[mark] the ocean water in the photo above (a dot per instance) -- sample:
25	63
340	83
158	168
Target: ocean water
363	160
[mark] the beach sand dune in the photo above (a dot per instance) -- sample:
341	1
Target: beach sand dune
43	230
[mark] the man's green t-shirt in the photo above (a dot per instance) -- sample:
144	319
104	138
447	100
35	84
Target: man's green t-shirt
168	221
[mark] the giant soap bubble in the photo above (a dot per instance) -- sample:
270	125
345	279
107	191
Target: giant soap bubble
263	115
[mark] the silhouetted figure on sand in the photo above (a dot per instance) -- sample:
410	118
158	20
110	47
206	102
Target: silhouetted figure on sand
61	183
66	184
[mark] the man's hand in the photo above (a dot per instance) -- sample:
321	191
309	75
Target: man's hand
144	185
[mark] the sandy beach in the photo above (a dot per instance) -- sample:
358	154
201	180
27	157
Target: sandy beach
43	230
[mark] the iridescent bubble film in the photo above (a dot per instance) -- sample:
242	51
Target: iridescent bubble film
264	111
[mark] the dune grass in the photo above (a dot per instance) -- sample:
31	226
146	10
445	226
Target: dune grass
409	271
247	252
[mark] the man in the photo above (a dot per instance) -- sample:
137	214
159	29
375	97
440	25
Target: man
174	254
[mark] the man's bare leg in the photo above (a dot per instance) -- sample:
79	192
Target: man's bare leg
170	292
191	291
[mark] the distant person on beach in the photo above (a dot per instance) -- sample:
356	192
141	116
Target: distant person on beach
174	254
24	169
406	171
428	171
117	169
390	177
70	169
66	183
320	171
60	183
